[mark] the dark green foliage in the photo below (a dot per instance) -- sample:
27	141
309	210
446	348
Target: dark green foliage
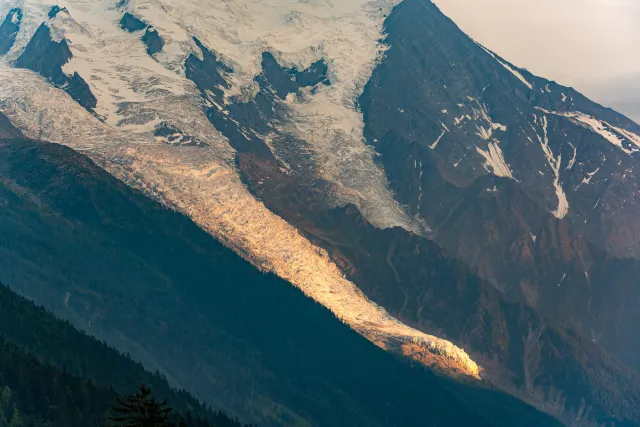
39	395
58	343
9	414
31	330
141	410
34	394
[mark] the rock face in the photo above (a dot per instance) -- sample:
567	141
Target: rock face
153	41
47	57
525	181
131	23
9	30
447	205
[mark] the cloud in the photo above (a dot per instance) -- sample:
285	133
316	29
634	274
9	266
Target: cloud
591	45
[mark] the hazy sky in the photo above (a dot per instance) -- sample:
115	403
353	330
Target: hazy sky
592	45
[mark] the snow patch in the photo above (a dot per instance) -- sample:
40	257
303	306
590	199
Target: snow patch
435	143
632	137
563	204
458	120
15	18
564	276
494	160
573	158
509	68
615	135
587	179
596	205
480	112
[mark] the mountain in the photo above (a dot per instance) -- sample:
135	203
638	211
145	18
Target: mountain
453	209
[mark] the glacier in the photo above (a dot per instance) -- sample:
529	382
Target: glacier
137	92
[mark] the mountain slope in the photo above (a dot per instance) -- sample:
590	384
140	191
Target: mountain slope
55	342
499	227
33	393
240	339
486	190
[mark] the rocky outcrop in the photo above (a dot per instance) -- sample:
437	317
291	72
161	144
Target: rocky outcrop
47	56
9	30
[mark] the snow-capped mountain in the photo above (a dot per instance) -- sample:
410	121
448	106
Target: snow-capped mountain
141	117
447	205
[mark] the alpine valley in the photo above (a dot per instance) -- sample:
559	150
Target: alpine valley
316	213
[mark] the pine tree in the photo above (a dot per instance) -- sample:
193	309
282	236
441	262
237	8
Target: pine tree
16	419
141	410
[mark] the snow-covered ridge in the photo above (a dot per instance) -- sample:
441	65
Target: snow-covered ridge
346	35
134	90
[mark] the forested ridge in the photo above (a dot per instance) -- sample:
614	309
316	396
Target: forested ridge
54	375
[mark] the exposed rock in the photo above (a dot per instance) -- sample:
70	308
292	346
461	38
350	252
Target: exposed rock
9	30
132	24
47	57
153	41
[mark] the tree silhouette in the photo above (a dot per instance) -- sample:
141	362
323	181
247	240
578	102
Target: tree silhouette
141	410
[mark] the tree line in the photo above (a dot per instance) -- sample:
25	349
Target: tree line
52	375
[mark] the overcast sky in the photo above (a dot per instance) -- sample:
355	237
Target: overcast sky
592	45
